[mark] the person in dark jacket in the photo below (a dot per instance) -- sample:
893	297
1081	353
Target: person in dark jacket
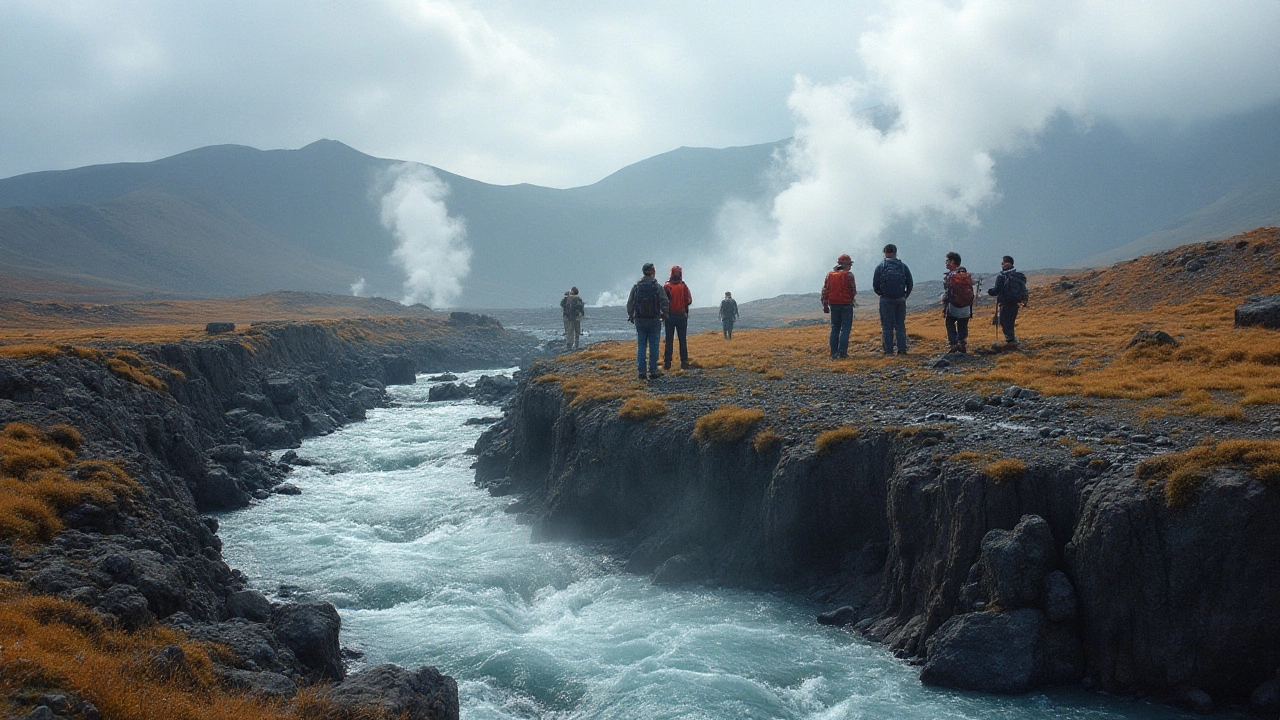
573	309
1007	298
838	293
647	308
728	314
679	299
892	282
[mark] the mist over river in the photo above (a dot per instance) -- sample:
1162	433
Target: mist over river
425	568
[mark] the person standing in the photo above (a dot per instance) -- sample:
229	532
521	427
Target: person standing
646	309
957	303
1010	291
838	293
892	282
573	309
679	299
728	314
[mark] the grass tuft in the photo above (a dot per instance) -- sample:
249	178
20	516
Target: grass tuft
1183	473
726	423
831	439
1006	470
642	409
766	440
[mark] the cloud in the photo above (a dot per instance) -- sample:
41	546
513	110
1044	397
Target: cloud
969	80
431	245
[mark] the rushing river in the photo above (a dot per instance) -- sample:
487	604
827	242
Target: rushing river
427	569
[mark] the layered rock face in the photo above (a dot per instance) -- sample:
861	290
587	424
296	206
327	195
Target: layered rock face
1072	572
199	445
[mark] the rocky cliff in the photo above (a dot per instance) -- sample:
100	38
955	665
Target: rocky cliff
1048	567
191	422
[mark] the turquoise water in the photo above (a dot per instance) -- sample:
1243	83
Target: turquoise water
427	569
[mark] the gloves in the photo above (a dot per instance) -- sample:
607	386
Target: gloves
631	320
826	308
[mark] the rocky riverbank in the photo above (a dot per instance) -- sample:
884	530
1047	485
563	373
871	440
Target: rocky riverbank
191	423
1001	540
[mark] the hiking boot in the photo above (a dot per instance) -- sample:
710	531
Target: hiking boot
964	348
656	375
642	376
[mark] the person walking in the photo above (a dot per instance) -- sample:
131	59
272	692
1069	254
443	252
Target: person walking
728	314
646	309
1010	291
838	293
892	282
573	309
679	299
957	303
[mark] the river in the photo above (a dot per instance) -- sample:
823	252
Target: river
425	568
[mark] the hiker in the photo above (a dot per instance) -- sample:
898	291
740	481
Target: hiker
838	293
957	303
1010	291
728	314
646	309
679	299
892	282
573	309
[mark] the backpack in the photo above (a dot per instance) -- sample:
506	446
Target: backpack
893	280
577	307
960	289
1016	287
648	306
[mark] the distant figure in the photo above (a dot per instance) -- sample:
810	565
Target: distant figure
838	293
728	314
679	299
647	308
892	282
957	303
573	310
1010	291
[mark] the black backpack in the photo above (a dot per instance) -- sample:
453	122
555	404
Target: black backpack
648	305
1016	287
893	280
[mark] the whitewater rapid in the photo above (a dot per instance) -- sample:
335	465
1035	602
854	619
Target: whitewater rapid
427	569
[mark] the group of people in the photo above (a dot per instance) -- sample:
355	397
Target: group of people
892	282
651	306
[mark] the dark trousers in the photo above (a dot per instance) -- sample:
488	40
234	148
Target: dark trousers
728	329
1008	316
647	333
841	322
957	329
893	321
677	324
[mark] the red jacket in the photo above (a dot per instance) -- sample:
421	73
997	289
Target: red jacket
839	288
680	297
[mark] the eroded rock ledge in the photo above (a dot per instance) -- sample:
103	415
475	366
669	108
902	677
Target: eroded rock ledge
1068	572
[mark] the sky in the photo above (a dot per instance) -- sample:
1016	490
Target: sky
563	92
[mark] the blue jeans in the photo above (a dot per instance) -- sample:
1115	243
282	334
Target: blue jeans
647	333
841	322
893	320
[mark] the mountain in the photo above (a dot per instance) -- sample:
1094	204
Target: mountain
231	220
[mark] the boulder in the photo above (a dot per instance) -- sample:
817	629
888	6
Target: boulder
680	569
1259	311
1151	337
1265	699
448	391
493	389
230	453
839	617
253	644
281	391
996	652
249	604
392	691
127	606
399	370
368	397
261	682
218	328
1013	563
286	489
310	630
215	489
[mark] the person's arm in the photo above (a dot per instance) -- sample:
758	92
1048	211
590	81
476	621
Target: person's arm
631	304
875	279
906	271
665	300
688	296
853	286
995	289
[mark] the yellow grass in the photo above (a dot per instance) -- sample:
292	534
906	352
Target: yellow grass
641	409
765	440
726	423
831	439
1005	470
1183	473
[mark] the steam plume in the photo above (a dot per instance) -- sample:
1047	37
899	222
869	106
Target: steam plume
431	245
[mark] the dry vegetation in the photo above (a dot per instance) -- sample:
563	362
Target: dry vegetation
1006	470
1184	473
765	440
642	409
831	439
726	424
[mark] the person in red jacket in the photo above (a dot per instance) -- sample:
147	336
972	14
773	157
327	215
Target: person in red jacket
838	293
677	317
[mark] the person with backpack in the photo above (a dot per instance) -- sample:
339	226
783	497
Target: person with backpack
573	309
678	299
838	293
892	282
646	309
1010	292
728	314
957	303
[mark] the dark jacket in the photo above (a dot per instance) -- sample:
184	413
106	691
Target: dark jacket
729	309
662	298
876	282
572	307
1003	289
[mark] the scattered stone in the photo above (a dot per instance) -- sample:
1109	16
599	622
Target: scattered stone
1140	439
218	328
56	702
1045	432
1195	265
974	404
941	363
286	489
39	713
261	494
839	617
1259	311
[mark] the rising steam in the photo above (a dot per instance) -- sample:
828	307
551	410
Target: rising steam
431	245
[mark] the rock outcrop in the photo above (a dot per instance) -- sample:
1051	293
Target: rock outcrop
1259	311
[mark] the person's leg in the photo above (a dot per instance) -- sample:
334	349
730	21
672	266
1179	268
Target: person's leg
1008	316
900	324
846	324
653	349
834	339
642	342
962	334
666	351
886	325
577	333
953	335
682	330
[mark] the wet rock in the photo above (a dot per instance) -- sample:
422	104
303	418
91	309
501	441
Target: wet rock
839	617
424	694
368	397
1013	563
448	391
993	652
682	568
482	420
286	489
493	389
444	377
1265	699
399	370
249	604
1259	311
1194	699
215	489
310	630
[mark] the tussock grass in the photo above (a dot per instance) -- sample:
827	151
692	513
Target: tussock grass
765	440
1006	470
39	479
726	424
831	439
642	409
1183	473
25	351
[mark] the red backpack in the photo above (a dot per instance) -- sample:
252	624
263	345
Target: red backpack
960	289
